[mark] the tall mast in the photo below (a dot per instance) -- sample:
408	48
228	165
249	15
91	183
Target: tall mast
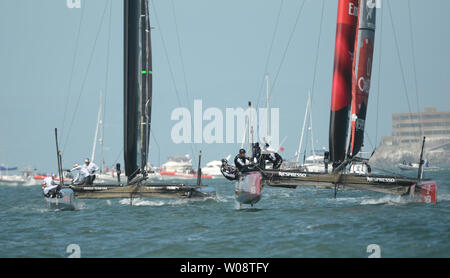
100	141
250	124
311	128
268	109
99	123
303	129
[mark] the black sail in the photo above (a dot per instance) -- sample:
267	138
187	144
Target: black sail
137	86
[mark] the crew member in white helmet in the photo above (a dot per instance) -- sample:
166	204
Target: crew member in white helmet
50	186
91	167
82	174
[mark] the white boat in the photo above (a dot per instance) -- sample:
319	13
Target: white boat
12	180
314	164
212	168
26	178
179	164
179	167
415	166
359	168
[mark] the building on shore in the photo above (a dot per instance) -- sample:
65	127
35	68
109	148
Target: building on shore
408	130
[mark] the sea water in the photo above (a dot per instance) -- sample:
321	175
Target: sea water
302	222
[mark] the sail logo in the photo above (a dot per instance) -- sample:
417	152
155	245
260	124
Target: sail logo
364	84
73	4
352	9
241	126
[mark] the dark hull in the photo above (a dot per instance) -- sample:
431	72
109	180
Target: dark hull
137	191
65	202
419	190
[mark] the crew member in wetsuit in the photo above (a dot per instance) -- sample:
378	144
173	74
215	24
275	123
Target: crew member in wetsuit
242	161
256	153
228	171
50	187
272	156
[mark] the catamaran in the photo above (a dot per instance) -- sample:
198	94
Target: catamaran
350	91
137	118
62	198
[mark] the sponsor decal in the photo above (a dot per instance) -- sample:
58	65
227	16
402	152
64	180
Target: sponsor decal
288	174
386	180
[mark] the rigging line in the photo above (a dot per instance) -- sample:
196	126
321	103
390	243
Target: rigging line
85	76
399	57
107	70
72	71
157	144
270	52
414	67
118	156
169	65
379	75
181	58
287	47
368	138
317	55
180	52
172	76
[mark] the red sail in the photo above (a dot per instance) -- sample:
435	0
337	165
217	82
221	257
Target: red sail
342	78
362	69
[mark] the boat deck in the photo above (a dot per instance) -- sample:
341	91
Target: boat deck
104	191
378	183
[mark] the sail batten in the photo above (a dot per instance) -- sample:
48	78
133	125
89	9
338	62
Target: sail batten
137	86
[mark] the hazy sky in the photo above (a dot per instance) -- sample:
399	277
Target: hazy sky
224	49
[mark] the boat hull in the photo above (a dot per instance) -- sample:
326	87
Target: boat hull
248	188
425	192
421	191
138	191
66	200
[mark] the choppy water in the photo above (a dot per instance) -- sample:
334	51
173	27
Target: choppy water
305	222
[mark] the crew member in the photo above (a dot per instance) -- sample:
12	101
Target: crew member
256	152
242	161
82	174
228	171
91	169
272	156
50	186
